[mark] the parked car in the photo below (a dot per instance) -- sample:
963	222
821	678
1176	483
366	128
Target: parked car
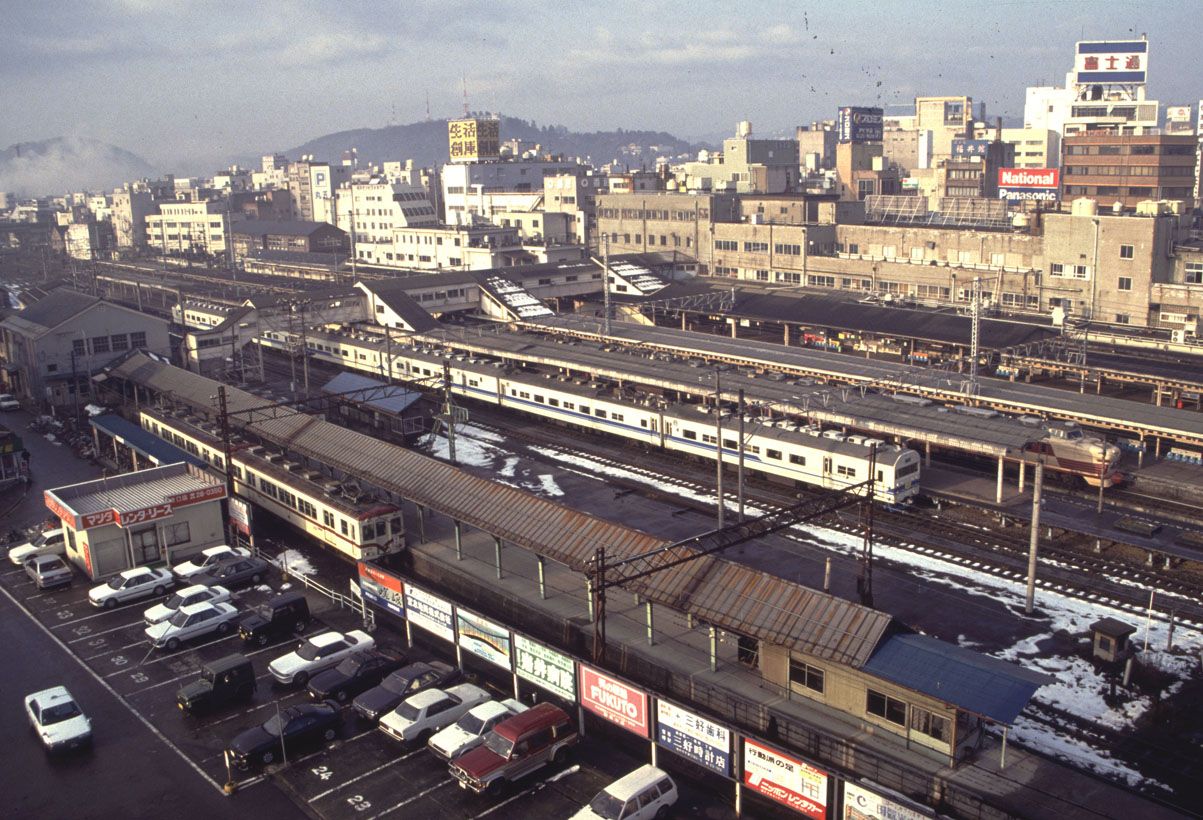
353	675
469	731
48	571
643	794
9	402
420	716
195	594
409	680
516	747
292	730
207	559
131	585
317	653
47	542
283	614
232	573
191	622
58	720
224	681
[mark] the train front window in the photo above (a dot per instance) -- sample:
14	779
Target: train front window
1074	435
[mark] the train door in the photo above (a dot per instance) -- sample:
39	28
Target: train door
826	471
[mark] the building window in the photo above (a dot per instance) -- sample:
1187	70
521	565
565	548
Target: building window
79	347
1126	251
137	339
175	534
1125	283
931	724
756	247
145	544
1123	319
100	344
805	675
120	341
1194	273
884	706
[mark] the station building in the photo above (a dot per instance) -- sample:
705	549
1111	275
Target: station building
164	514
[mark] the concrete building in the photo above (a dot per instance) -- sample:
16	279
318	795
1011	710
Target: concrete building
1034	148
1128	169
250	236
164	514
53	347
130	208
312	186
191	228
464	183
575	194
861	170
745	165
664	222
768	252
947	118
371	210
816	146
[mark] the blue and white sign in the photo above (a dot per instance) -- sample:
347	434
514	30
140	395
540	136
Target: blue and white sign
694	737
962	149
1111	61
431	613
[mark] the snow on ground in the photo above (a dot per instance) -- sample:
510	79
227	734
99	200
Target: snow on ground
1077	688
294	563
475	447
549	485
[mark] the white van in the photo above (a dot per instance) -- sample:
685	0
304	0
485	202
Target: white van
643	794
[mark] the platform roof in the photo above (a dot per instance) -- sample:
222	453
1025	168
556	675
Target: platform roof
145	443
375	394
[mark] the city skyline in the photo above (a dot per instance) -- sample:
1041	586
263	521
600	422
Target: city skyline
180	86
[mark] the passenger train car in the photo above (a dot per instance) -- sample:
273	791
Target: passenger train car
357	527
778	448
1067	449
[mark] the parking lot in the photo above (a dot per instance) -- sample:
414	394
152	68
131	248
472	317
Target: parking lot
363	774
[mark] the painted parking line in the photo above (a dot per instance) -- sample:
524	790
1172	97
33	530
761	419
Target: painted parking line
172	656
92	634
417	796
368	773
281	700
75	621
573	769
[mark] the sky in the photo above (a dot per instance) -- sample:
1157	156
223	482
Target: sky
186	84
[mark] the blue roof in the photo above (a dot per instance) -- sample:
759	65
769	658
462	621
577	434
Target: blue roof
145	443
968	680
376	394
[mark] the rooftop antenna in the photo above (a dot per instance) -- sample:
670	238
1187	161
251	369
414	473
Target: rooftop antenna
464	83
428	106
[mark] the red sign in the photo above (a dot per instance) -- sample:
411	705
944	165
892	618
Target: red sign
614	700
154	513
785	779
97	519
56	507
197	496
1029	177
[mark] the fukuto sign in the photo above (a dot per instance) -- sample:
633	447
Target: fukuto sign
614	700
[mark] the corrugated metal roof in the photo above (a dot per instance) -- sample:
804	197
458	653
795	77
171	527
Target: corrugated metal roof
373	393
970	681
134	491
145	443
57	307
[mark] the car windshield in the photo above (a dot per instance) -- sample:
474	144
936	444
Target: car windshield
174	602
59	712
308	651
471	724
39	539
273	726
397	683
498	745
117	583
350	666
607	805
178	619
408	711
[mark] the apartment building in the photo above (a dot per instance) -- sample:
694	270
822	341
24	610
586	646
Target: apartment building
651	222
465	183
1128	169
191	228
128	213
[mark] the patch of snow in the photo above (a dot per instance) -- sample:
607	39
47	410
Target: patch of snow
507	469
294	562
548	485
263	588
285	586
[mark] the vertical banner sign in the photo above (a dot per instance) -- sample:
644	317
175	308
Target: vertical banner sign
615	701
694	737
382	589
483	638
240	516
545	667
862	804
785	779
431	613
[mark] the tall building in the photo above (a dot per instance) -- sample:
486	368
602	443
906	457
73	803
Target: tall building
191	228
465	182
1128	169
947	118
312	185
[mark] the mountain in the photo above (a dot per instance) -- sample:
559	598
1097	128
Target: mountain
65	164
426	143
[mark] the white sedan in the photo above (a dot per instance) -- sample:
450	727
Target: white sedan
195	594
130	585
57	719
192	621
317	653
207	560
422	714
47	542
469	731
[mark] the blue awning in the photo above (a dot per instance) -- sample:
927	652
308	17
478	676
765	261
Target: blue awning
386	398
963	678
144	443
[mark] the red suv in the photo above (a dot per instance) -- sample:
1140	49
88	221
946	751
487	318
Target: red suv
516	747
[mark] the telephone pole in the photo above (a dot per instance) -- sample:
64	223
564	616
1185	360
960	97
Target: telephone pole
718	442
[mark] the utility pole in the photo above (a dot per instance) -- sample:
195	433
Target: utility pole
975	333
1034	544
597	590
606	285
448	412
864	584
223	419
740	473
718	442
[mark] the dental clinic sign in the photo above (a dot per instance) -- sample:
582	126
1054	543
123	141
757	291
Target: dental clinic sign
614	700
1029	184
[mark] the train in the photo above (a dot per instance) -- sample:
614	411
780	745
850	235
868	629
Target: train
1066	448
778	448
337	514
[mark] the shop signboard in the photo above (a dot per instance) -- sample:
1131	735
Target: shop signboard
614	700
429	612
859	124
240	515
483	638
1098	62
785	779
691	736
382	589
863	804
545	667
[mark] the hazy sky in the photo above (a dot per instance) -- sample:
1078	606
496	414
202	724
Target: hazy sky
181	82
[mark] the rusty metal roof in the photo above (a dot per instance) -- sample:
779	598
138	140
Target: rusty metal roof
716	591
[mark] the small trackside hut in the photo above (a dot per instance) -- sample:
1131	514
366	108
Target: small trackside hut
164	514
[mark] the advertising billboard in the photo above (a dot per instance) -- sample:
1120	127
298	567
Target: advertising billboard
615	701
483	638
1177	113
1111	61
545	667
240	515
473	140
429	612
1029	184
862	804
382	589
694	737
963	149
859	124
785	779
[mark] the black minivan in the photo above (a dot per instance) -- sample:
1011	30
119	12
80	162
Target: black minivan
224	681
285	614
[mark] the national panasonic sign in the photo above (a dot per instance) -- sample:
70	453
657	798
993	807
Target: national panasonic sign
614	700
1029	184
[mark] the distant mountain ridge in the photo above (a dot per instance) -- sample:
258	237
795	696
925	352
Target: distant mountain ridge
426	143
64	164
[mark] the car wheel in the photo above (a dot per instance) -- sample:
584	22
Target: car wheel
159	590
661	813
557	757
267	758
422	737
110	603
255	578
300	626
329	734
494	788
262	639
173	644
223	627
341	695
301	678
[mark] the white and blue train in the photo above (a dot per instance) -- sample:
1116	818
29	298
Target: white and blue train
780	448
